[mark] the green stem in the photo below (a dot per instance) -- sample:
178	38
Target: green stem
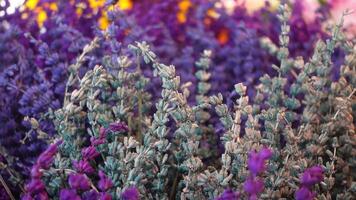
174	188
8	191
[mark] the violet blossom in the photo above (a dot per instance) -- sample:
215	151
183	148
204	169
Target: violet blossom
104	183
252	187
68	194
90	195
256	162
46	158
35	186
105	196
83	166
229	194
304	193
130	193
117	127
90	153
78	181
312	176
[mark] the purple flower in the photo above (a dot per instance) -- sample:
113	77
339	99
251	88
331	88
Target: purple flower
130	193
312	176
102	132
25	197
46	158
228	194
304	194
90	195
42	196
97	141
90	153
105	196
68	194
104	183
78	181
256	161
35	186
117	127
253	186
35	172
83	166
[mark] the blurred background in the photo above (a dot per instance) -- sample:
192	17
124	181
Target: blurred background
309	11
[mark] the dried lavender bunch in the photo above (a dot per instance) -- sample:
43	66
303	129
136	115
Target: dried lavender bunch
57	40
33	74
112	147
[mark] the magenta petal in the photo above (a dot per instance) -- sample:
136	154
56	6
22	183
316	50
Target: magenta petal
105	196
304	194
83	166
35	172
130	193
35	186
104	183
312	176
67	194
253	186
90	153
229	194
265	153
78	181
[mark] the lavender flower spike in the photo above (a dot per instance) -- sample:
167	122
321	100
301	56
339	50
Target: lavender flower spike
229	194
78	181
130	193
256	161
312	176
104	183
67	194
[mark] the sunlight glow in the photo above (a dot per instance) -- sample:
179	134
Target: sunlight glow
13	5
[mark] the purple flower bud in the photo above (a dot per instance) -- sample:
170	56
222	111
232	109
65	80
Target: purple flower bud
104	183
42	196
265	153
118	127
27	197
229	194
90	195
35	186
304	194
130	193
105	196
102	137
83	166
35	172
67	194
253	186
78	181
312	176
53	148
90	153
256	161
46	158
97	141
102	132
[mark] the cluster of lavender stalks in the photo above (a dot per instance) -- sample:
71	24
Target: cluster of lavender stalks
294	139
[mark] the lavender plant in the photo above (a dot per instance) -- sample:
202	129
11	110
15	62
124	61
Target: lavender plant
60	29
109	145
